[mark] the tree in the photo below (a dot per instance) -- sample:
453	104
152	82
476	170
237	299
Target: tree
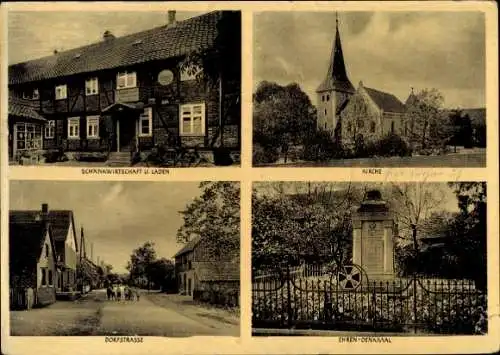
161	273
214	217
141	261
412	204
301	222
283	116
470	237
429	124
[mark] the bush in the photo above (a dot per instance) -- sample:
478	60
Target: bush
321	147
222	157
393	145
264	155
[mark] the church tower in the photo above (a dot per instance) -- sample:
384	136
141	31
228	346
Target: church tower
335	90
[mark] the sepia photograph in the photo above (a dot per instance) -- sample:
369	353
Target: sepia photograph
124	258
369	259
358	89
158	89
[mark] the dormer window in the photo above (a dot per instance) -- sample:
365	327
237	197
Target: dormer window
91	87
126	80
61	92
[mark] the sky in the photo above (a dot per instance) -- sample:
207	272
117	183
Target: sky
440	190
34	35
117	216
388	51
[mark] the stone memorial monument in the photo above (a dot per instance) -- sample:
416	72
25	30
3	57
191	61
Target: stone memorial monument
373	234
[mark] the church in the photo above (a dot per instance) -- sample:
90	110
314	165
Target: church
363	113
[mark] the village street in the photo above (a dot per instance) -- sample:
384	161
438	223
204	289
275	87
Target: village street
153	315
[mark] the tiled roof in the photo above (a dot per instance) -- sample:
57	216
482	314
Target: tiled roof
156	44
385	101
25	244
217	270
189	246
59	221
24	109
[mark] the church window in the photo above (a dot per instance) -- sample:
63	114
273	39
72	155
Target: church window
372	127
325	125
323	98
327	97
325	111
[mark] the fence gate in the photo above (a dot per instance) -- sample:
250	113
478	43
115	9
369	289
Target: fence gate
344	298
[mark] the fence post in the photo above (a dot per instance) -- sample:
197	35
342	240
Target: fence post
289	296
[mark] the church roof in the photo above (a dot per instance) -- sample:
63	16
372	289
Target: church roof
385	101
336	77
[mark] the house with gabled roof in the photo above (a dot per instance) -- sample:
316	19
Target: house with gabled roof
122	97
32	263
205	279
62	226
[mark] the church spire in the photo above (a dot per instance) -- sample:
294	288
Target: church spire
336	77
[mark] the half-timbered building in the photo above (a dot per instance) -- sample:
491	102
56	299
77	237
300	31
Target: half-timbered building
124	96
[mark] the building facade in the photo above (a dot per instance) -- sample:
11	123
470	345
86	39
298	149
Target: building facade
32	263
130	94
61	223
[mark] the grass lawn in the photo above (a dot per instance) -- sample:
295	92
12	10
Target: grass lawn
468	160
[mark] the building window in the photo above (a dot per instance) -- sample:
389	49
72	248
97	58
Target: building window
146	122
28	136
74	127
327	97
61	92
192	119
93	126
392	127
51	279
50	129
91	87
190	265
46	250
323	98
372	127
44	276
325	111
126	80
349	127
361	123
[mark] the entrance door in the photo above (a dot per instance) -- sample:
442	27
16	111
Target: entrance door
127	133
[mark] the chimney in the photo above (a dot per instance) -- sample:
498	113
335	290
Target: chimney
107	36
171	18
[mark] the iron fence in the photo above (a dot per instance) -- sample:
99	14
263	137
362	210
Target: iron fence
313	298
